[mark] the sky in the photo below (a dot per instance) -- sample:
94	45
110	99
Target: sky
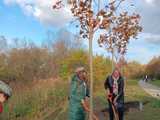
32	19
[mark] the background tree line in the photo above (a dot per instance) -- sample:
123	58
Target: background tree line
25	61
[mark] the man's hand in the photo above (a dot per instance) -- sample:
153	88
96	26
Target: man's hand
95	117
85	103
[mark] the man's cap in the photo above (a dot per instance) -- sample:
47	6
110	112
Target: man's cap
4	88
80	69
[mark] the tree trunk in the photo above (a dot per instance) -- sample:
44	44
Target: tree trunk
91	73
112	60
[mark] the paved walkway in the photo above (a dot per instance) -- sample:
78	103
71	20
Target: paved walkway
153	90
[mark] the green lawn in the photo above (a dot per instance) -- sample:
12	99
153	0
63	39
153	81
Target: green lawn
150	110
134	93
156	82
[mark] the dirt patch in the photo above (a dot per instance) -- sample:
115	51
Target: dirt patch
131	106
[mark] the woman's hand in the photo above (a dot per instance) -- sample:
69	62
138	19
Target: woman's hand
115	101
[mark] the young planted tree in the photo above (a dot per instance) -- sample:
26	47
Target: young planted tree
115	27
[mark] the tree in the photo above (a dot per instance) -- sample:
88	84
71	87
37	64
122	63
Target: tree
117	26
4	44
153	68
134	70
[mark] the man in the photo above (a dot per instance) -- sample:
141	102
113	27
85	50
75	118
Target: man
114	86
79	95
5	93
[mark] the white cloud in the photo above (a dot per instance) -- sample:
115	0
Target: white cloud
149	1
144	48
150	14
152	2
141	53
42	10
152	38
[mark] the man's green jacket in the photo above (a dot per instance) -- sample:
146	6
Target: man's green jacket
78	91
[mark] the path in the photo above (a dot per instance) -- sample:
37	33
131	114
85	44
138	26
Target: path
153	90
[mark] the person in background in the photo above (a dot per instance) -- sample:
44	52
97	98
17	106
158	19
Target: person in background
114	86
79	95
146	78
5	93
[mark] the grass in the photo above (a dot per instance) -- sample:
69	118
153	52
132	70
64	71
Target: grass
134	93
155	82
47	100
150	110
34	101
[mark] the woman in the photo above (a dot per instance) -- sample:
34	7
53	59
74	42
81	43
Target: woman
114	86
